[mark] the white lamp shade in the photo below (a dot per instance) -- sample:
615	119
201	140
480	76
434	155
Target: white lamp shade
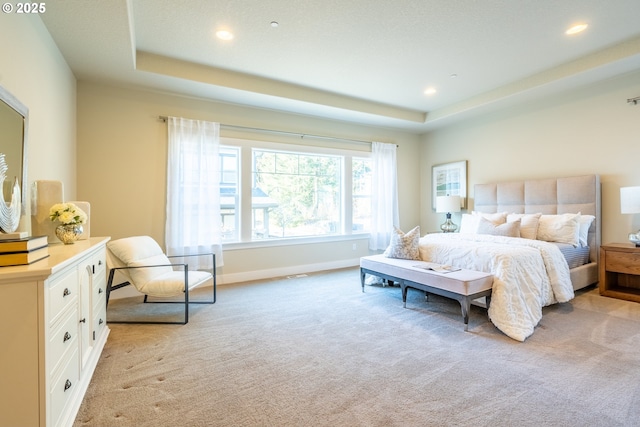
630	200
448	204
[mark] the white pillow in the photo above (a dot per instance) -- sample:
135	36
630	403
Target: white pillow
585	222
496	218
560	228
469	222
508	229
528	224
404	245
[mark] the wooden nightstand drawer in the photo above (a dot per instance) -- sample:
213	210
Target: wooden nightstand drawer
623	262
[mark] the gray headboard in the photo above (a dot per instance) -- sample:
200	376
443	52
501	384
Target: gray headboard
548	196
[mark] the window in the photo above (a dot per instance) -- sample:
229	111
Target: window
295	194
361	194
292	191
229	195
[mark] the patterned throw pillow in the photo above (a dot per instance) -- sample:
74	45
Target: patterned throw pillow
404	245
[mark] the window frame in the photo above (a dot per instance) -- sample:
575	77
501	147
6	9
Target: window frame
244	184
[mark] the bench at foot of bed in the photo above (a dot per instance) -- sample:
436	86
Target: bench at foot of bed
462	285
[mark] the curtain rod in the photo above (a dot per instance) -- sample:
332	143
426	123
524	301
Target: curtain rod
282	132
633	101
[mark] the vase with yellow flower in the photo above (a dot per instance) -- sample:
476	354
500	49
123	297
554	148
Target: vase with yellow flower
70	218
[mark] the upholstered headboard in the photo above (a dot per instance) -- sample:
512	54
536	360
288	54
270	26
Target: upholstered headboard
547	196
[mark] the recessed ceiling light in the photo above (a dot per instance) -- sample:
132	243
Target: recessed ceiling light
430	91
578	28
224	35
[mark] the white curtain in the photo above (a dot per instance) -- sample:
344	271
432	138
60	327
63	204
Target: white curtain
384	200
193	194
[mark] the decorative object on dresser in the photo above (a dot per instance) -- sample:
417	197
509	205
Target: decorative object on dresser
9	211
142	263
620	271
630	204
71	218
447	204
52	329
23	251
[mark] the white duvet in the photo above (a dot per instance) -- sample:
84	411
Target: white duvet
528	274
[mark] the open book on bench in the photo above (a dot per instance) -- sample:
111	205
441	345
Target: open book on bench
440	268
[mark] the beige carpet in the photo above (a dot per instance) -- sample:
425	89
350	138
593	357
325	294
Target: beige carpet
315	351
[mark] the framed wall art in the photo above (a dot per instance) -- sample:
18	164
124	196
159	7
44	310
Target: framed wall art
449	179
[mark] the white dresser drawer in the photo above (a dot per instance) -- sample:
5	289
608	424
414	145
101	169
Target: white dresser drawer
62	291
64	337
99	289
99	320
63	388
100	264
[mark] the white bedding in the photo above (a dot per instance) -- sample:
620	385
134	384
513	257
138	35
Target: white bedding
529	274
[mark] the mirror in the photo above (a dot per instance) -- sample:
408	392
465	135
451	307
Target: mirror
13	144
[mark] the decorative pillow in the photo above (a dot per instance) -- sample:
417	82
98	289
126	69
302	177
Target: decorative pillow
404	245
496	218
560	228
584	223
469	222
508	229
528	224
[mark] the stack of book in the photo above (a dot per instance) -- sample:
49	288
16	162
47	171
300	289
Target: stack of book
23	251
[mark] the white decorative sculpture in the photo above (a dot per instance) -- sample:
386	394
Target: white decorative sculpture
9	212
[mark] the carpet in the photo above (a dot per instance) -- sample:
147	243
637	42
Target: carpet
313	350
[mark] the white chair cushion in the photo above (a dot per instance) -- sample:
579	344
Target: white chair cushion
172	283
139	251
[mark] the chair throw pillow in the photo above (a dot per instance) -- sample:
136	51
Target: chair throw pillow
404	245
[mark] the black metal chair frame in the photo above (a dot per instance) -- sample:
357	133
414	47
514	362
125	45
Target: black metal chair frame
185	266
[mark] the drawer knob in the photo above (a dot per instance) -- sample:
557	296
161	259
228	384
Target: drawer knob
99	262
83	320
100	322
99	290
66	292
67	337
67	385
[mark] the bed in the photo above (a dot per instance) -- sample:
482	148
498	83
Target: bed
531	271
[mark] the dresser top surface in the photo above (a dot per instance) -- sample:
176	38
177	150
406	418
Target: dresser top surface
60	256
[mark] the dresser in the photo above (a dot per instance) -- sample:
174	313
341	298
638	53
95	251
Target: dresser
52	331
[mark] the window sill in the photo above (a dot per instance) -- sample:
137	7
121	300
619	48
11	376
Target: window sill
292	241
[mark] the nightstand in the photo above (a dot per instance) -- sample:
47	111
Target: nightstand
620	271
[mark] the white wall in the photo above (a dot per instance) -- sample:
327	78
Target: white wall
588	130
33	70
122	162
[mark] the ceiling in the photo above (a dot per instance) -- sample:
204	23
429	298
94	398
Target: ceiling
359	61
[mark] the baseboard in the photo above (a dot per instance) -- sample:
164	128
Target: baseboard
247	276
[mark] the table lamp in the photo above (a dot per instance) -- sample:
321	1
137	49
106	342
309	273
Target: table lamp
448	204
630	204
